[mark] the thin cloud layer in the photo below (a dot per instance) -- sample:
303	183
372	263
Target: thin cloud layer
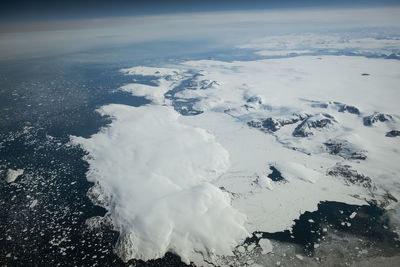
22	41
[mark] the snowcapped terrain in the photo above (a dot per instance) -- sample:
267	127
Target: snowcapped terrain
190	173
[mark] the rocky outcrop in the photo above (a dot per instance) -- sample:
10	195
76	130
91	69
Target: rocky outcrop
349	109
275	175
336	105
371	119
271	124
274	124
393	133
312	123
255	99
206	84
351	176
385	200
344	149
255	124
254	102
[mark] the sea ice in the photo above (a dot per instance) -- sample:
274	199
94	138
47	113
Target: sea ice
265	245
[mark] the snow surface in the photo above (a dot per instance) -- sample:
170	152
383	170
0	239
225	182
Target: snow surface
198	185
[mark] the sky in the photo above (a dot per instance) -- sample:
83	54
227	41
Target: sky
32	29
25	11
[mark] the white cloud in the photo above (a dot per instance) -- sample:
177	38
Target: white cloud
312	43
157	174
226	29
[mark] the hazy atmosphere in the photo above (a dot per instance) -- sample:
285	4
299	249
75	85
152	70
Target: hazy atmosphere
176	133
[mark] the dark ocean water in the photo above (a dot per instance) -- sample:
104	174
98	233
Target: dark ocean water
369	222
42	103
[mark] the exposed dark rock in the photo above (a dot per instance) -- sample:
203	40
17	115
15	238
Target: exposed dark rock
351	176
344	149
337	105
393	133
392	56
302	116
350	109
255	124
386	200
255	102
271	124
274	124
319	121
206	84
275	175
371	119
255	99
320	105
390	197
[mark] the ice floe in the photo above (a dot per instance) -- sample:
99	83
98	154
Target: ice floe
13	175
